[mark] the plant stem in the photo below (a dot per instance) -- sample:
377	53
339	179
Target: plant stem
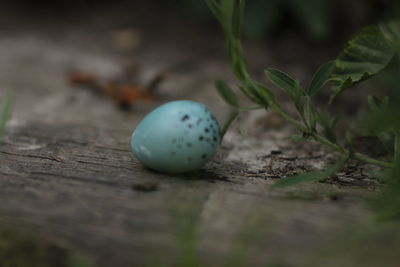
250	108
224	13
338	147
385	164
231	118
287	117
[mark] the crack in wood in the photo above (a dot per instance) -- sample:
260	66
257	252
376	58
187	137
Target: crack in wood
52	158
106	165
77	178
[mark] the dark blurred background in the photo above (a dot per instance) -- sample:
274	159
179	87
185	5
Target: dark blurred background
43	40
316	20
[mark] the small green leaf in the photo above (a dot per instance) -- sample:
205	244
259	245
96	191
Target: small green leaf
282	80
298	138
366	55
227	93
321	77
314	176
299	179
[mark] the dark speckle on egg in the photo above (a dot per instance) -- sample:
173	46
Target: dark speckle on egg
189	144
185	117
201	138
199	121
190	125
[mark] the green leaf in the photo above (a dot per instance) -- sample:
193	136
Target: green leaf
282	80
391	32
367	54
299	179
227	93
5	113
321	77
314	176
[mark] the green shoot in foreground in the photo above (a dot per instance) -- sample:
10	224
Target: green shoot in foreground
5	112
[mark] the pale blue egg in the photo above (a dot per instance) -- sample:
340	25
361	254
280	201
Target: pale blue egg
177	137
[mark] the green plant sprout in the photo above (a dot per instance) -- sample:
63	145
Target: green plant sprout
5	112
367	54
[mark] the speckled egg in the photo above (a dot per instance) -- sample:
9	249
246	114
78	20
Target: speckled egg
177	137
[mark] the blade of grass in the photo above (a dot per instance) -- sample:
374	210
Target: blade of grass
5	114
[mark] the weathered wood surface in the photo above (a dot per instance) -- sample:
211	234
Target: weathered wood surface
83	185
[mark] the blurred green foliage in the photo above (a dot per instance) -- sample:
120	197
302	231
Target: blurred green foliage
6	103
319	20
23	248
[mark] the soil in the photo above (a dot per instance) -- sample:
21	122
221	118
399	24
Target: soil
67	172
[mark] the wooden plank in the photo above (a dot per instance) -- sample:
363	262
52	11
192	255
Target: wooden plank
76	183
